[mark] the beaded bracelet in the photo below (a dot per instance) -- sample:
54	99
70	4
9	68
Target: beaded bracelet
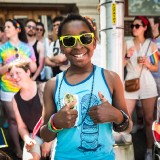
51	126
124	125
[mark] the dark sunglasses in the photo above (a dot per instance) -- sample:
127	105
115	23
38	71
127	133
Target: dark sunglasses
39	29
136	26
29	26
70	41
16	52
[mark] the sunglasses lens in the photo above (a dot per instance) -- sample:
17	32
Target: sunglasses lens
39	29
86	39
69	41
137	26
33	27
29	26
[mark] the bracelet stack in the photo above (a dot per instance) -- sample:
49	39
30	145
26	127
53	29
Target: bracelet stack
51	126
124	125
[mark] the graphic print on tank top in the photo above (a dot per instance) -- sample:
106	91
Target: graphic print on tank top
56	49
89	130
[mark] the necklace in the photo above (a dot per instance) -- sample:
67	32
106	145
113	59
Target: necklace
92	86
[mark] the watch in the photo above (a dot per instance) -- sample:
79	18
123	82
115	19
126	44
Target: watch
122	126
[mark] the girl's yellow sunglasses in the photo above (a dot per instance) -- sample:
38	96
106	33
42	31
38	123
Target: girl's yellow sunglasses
70	41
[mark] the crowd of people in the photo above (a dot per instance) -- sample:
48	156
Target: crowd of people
142	61
61	82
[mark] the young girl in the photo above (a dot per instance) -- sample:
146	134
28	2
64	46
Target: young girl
10	51
28	110
82	103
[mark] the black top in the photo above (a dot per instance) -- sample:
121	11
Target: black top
36	52
30	110
37	58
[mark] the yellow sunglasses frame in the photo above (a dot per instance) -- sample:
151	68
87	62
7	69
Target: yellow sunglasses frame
77	38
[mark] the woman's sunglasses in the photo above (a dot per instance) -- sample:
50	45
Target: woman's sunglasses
39	29
136	26
70	41
16	53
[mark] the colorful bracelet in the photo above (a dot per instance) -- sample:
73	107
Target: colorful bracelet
51	126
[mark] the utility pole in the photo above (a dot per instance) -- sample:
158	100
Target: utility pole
112	34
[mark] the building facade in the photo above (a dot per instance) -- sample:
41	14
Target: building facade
46	10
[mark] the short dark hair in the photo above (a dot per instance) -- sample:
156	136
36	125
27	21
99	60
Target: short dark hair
58	18
156	20
42	25
30	20
74	17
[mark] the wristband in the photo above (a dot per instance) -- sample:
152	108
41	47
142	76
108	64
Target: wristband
122	126
51	126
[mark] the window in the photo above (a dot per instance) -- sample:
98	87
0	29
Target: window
144	7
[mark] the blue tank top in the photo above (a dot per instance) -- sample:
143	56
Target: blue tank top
87	140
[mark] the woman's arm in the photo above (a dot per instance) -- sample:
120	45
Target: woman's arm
46	148
3	68
50	63
127	53
22	128
40	48
124	54
146	62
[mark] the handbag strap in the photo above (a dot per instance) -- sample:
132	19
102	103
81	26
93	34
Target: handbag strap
145	55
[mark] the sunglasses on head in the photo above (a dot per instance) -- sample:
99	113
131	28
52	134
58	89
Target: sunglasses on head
16	52
39	29
29	26
70	41
136	26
